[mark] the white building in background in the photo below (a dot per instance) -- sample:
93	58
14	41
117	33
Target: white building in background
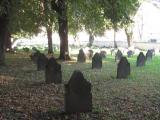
147	22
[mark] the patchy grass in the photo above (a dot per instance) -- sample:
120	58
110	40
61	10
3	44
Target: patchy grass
23	91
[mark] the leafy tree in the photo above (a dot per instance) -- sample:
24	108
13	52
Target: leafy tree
119	12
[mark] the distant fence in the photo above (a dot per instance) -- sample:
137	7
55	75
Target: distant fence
142	45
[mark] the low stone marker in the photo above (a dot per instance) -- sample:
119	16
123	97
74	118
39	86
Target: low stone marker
34	56
90	54
141	60
81	56
97	61
123	69
118	55
41	61
53	72
78	96
130	53
103	54
149	55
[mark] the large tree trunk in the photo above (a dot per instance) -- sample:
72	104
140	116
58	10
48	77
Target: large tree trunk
8	43
60	7
3	31
91	39
49	35
115	43
129	36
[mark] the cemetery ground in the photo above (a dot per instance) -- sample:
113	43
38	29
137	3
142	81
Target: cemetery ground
24	94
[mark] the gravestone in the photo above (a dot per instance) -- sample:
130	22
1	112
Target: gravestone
123	69
34	56
97	61
41	61
130	53
90	54
118	55
149	55
53	72
103	54
141	60
78	96
81	56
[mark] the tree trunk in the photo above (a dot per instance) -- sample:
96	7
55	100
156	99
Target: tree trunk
3	31
8	43
115	43
91	39
61	8
49	36
129	37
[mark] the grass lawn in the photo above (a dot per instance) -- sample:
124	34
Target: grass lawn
23	92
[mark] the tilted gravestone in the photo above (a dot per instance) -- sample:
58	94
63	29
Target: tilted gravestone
78	96
118	55
41	61
90	54
53	72
123	69
34	56
141	60
81	56
97	61
130	53
103	54
149	55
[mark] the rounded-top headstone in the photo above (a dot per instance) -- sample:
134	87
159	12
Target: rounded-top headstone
149	55
78	96
53	72
103	54
79	84
118	55
141	60
123	69
81	56
97	61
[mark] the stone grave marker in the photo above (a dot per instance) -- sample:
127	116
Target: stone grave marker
149	55
103	54
90	54
78	96
41	61
53	73
97	61
34	56
130	53
141	60
118	55
123	69
81	56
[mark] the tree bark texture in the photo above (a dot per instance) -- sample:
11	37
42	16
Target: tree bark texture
49	35
60	7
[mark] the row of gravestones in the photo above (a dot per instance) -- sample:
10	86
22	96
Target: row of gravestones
78	96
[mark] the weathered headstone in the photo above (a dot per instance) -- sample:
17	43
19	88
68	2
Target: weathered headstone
81	56
141	60
123	69
97	61
149	55
103	54
34	56
53	72
118	55
130	53
41	61
78	96
90	54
